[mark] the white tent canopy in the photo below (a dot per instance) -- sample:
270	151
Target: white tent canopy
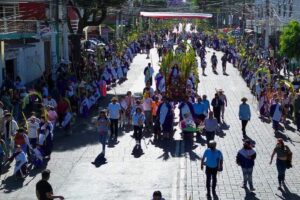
174	15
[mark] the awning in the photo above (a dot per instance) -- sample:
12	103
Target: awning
174	15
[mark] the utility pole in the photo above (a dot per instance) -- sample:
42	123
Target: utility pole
65	31
267	25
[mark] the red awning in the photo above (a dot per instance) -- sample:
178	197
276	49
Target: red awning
174	15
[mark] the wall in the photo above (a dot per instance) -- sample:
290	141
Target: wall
31	62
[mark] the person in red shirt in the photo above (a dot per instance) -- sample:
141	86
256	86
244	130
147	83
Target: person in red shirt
21	139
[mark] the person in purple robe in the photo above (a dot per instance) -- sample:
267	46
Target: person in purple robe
165	117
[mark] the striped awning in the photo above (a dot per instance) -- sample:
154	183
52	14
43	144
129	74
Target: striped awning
175	15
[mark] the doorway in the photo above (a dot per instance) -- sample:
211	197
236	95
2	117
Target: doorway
10	69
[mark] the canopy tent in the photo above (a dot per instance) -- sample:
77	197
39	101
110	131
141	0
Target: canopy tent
173	15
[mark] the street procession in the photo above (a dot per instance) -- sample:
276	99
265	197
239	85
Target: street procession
178	105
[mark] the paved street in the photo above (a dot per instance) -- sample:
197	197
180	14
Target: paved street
170	167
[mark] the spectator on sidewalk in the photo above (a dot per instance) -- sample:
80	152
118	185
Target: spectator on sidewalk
245	158
44	190
244	114
210	126
213	160
10	130
114	113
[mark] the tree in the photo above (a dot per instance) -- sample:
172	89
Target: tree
89	13
290	40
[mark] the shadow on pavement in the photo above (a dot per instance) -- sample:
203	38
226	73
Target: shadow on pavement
99	160
11	184
250	195
287	194
83	131
168	147
137	151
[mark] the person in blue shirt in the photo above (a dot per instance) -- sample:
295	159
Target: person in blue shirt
213	160
245	158
206	105
199	111
138	120
244	114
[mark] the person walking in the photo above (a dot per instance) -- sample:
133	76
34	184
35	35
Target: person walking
276	114
245	158
217	104
224	62
148	72
43	188
223	98
244	114
210	126
103	125
138	122
114	113
213	160
283	161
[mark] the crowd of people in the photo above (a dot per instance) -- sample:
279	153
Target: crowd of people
30	115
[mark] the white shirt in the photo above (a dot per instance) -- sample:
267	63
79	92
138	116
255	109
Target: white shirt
114	110
147	105
33	129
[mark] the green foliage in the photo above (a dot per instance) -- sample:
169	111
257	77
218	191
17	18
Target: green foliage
290	40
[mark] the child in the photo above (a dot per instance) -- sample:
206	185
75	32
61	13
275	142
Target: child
138	121
103	125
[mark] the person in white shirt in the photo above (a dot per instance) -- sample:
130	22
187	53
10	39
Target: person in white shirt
147	107
49	101
114	113
33	125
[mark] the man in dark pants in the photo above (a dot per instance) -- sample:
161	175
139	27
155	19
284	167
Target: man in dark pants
217	104
114	113
244	114
213	160
211	126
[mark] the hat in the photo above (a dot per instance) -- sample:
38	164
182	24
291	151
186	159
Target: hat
114	99
46	172
244	99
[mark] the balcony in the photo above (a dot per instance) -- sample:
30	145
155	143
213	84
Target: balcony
17	29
